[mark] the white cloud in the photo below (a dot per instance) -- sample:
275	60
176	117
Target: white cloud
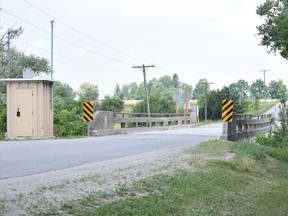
173	8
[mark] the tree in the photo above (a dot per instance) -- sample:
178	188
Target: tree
214	102
64	96
240	90
68	112
166	81
114	104
281	135
157	105
124	92
161	87
18	60
175	80
117	91
274	30
277	89
200	89
88	92
241	87
258	89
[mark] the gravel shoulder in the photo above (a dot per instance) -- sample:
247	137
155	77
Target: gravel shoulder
19	195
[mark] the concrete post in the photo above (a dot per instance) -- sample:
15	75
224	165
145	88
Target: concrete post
229	129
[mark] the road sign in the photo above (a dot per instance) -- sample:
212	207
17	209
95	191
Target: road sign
88	111
227	110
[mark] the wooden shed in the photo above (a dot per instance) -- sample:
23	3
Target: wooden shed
29	108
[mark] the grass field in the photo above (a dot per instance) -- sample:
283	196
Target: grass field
226	179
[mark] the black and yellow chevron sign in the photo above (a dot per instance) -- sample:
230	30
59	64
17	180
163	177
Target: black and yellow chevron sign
227	110
88	111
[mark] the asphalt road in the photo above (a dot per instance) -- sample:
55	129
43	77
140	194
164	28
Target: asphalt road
22	158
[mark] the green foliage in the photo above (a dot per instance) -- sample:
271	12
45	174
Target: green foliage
162	87
266	140
248	184
214	103
277	89
64	96
157	105
175	81
117	91
19	61
280	137
3	119
257	103
258	89
241	88
69	123
68	119
88	92
274	30
199	90
114	104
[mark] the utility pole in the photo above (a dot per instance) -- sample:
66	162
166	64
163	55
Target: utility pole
265	87
143	69
186	102
9	53
52	70
177	101
52	35
206	83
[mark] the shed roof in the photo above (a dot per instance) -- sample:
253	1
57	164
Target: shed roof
28	80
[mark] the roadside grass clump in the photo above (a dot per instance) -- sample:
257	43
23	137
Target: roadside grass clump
253	182
2	206
214	148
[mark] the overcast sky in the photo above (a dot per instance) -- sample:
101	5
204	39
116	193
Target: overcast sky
195	39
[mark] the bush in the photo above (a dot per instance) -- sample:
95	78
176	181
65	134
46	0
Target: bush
157	105
114	104
69	123
3	118
266	140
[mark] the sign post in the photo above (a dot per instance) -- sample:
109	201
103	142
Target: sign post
227	110
88	113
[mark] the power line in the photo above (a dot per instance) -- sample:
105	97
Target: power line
93	39
71	59
69	42
83	34
87	36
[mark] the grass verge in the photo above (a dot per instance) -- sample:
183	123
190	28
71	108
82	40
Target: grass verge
263	108
253	182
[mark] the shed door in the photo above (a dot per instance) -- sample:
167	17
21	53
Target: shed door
25	115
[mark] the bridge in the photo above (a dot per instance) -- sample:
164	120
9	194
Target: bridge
242	127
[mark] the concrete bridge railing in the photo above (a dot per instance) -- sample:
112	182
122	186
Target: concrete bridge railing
134	120
108	122
246	126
